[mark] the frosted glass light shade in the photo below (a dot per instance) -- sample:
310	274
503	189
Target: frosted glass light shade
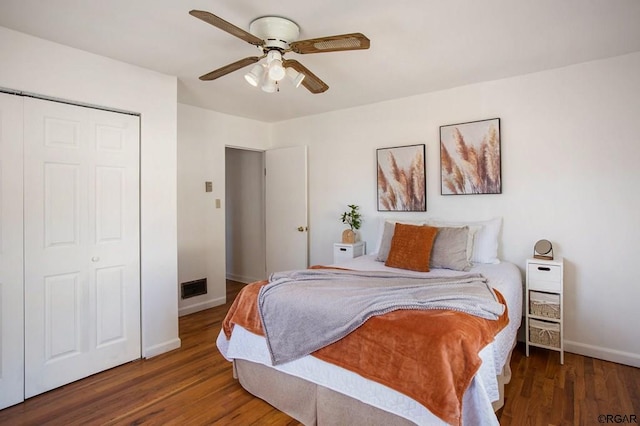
276	71
269	85
254	76
295	77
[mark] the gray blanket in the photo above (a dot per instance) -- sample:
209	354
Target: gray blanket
303	311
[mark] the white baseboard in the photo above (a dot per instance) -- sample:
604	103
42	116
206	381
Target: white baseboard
626	358
242	278
161	348
197	307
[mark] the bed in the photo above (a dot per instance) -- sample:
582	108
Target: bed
315	391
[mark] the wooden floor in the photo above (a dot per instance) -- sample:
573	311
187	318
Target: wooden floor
193	385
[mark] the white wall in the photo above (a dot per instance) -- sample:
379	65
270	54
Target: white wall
38	66
245	215
570	156
203	135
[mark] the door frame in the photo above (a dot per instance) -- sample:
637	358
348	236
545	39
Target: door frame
12	389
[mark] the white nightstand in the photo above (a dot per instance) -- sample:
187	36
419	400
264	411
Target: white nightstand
342	251
544	305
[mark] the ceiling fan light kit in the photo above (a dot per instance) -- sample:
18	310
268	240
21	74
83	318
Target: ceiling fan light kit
267	76
276	36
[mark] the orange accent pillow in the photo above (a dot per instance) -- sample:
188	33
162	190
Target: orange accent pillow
411	247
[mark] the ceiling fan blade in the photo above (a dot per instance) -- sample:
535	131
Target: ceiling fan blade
230	68
355	41
311	81
218	22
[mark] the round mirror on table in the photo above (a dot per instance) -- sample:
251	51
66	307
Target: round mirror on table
543	250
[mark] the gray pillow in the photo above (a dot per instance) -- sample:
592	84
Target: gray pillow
450	249
385	243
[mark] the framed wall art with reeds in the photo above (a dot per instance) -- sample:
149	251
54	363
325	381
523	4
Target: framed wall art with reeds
470	158
401	179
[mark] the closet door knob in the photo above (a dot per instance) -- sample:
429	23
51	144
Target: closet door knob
95	259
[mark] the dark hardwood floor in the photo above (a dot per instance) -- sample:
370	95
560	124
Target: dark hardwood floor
193	385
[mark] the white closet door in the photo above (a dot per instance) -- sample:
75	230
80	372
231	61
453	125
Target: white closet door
11	283
82	267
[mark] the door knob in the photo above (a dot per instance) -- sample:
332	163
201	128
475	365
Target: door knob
300	229
95	259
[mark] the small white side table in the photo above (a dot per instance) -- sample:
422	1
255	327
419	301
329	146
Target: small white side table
342	251
544	305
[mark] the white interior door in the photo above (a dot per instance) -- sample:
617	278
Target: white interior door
81	237
11	282
287	245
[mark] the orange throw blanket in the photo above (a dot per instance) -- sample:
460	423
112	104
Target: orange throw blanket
430	356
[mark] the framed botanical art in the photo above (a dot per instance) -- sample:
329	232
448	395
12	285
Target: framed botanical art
470	158
401	179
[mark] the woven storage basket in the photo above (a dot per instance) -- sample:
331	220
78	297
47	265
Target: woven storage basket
544	304
544	333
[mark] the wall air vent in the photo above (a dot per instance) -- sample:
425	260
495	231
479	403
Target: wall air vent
193	288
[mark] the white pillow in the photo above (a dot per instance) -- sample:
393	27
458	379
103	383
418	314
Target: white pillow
484	240
394	221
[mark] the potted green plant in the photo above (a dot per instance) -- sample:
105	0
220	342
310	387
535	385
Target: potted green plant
352	218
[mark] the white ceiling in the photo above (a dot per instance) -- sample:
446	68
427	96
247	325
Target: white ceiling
417	46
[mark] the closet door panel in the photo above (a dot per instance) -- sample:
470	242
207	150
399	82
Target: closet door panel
11	281
61	205
62	312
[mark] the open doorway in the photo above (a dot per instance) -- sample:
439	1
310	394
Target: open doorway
245	215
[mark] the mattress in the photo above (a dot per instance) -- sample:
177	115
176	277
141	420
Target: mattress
504	277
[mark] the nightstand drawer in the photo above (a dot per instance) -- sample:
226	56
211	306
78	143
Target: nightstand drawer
545	277
343	251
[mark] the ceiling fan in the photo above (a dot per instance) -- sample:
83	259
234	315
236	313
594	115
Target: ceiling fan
276	36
